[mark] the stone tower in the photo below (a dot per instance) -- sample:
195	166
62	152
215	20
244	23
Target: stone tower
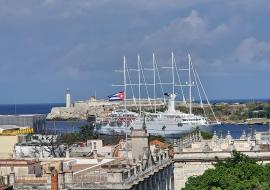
139	143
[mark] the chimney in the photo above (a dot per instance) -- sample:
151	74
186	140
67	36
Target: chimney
54	180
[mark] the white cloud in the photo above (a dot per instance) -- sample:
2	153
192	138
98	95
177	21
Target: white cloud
252	51
185	31
38	9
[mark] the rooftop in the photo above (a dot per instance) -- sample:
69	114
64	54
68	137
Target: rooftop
159	144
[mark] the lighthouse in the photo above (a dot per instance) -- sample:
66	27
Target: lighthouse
68	98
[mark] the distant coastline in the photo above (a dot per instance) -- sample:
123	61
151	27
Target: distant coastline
240	101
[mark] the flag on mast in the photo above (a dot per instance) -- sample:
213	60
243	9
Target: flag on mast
117	96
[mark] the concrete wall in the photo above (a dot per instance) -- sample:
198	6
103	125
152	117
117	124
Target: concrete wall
106	151
20	171
33	169
182	171
95	144
80	151
7	144
98	146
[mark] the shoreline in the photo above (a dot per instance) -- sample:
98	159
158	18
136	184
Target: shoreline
256	121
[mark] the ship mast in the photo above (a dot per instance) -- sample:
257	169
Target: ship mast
154	85
139	85
172	73
125	105
190	85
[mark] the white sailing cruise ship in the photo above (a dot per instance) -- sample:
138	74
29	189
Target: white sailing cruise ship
169	122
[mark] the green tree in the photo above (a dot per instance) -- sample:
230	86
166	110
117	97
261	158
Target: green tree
236	173
69	138
87	132
205	135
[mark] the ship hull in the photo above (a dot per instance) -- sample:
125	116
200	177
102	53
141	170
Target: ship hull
157	128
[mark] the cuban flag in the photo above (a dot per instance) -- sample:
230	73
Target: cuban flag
117	96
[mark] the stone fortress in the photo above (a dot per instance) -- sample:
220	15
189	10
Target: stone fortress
82	110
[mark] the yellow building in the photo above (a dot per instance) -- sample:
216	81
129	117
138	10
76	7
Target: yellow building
7	143
9	137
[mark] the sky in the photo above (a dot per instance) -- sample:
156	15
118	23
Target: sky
47	46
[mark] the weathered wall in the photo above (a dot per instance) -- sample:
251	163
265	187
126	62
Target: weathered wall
20	171
182	171
33	170
7	144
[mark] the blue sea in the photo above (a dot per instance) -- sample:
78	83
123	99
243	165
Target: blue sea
74	126
9	109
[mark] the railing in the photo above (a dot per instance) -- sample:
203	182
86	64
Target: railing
140	174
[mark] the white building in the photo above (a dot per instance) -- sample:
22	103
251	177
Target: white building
98	148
